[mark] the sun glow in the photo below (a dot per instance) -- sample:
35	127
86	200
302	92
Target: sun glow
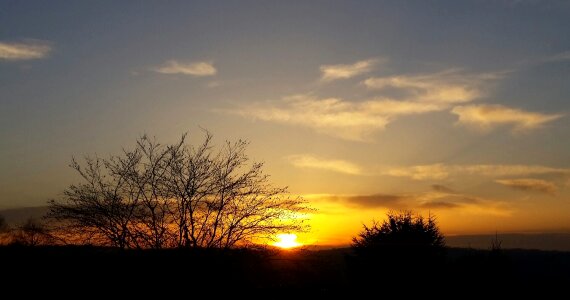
286	241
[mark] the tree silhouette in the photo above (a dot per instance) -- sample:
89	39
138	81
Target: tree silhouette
4	231
31	233
4	227
400	230
400	247
176	195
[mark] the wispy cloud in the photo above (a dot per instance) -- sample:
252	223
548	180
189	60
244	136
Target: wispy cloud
563	56
527	184
442	189
416	94
449	86
333	72
486	117
440	205
509	170
202	68
417	201
378	200
314	162
358	120
32	49
442	171
443	198
333	116
424	172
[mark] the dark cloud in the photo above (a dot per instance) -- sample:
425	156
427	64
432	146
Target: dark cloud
417	201
528	184
443	189
377	200
440	205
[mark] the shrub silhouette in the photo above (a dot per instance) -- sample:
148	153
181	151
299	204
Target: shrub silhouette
400	246
400	230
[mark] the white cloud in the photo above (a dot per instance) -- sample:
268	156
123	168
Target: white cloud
315	162
449	86
32	49
202	68
527	184
425	172
417	94
442	171
333	72
486	117
336	117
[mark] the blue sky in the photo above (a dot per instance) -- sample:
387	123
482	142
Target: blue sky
343	100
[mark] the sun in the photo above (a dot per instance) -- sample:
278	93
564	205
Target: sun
287	241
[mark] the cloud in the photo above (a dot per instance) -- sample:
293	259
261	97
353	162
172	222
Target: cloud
333	72
358	120
202	68
527	184
32	49
333	116
442	171
451	87
371	201
314	162
376	201
508	170
417	94
459	201
440	205
416	201
423	172
448	87
442	189
563	56
486	117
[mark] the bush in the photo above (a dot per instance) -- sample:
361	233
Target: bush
402	246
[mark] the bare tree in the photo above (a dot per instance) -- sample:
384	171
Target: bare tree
176	195
31	233
96	211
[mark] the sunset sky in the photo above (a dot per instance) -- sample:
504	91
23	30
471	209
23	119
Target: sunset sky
458	108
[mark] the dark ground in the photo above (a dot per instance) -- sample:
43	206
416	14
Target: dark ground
331	272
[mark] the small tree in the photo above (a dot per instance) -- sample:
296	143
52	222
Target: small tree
31	233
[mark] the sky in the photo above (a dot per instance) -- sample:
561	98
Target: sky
454	108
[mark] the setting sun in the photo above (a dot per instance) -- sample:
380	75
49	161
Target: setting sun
287	241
